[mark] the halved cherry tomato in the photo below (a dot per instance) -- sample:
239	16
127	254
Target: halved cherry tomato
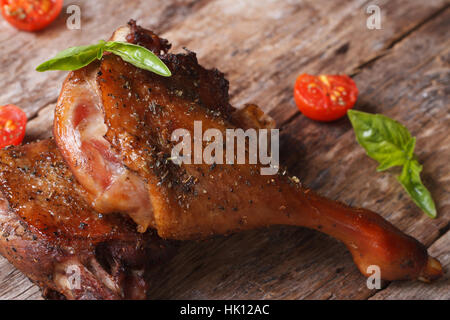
12	125
30	15
325	97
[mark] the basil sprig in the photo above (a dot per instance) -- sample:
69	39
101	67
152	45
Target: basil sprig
78	57
390	143
410	180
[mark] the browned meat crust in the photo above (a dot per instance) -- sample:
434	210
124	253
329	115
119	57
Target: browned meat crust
50	233
146	38
189	80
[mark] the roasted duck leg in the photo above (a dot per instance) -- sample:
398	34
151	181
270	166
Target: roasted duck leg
115	121
50	233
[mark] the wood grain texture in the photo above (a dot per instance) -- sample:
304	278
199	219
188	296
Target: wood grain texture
411	88
402	71
14	285
262	46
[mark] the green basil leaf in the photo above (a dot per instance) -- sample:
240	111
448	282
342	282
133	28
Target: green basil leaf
78	57
73	58
385	140
138	56
409	148
410	180
391	144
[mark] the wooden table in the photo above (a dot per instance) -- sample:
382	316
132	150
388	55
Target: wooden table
402	71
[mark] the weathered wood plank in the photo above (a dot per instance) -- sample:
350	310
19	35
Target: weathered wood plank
276	41
14	285
269	38
417	290
288	35
278	263
410	88
41	127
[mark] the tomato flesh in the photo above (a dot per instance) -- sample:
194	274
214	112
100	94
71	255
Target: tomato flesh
30	15
12	125
325	97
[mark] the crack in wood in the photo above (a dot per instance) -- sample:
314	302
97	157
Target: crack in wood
442	232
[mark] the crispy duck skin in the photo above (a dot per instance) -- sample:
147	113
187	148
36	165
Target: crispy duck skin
50	233
140	111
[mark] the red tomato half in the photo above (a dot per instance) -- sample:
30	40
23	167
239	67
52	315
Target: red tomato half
12	125
30	15
325	97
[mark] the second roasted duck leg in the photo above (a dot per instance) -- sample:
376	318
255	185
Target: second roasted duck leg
50	233
140	110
